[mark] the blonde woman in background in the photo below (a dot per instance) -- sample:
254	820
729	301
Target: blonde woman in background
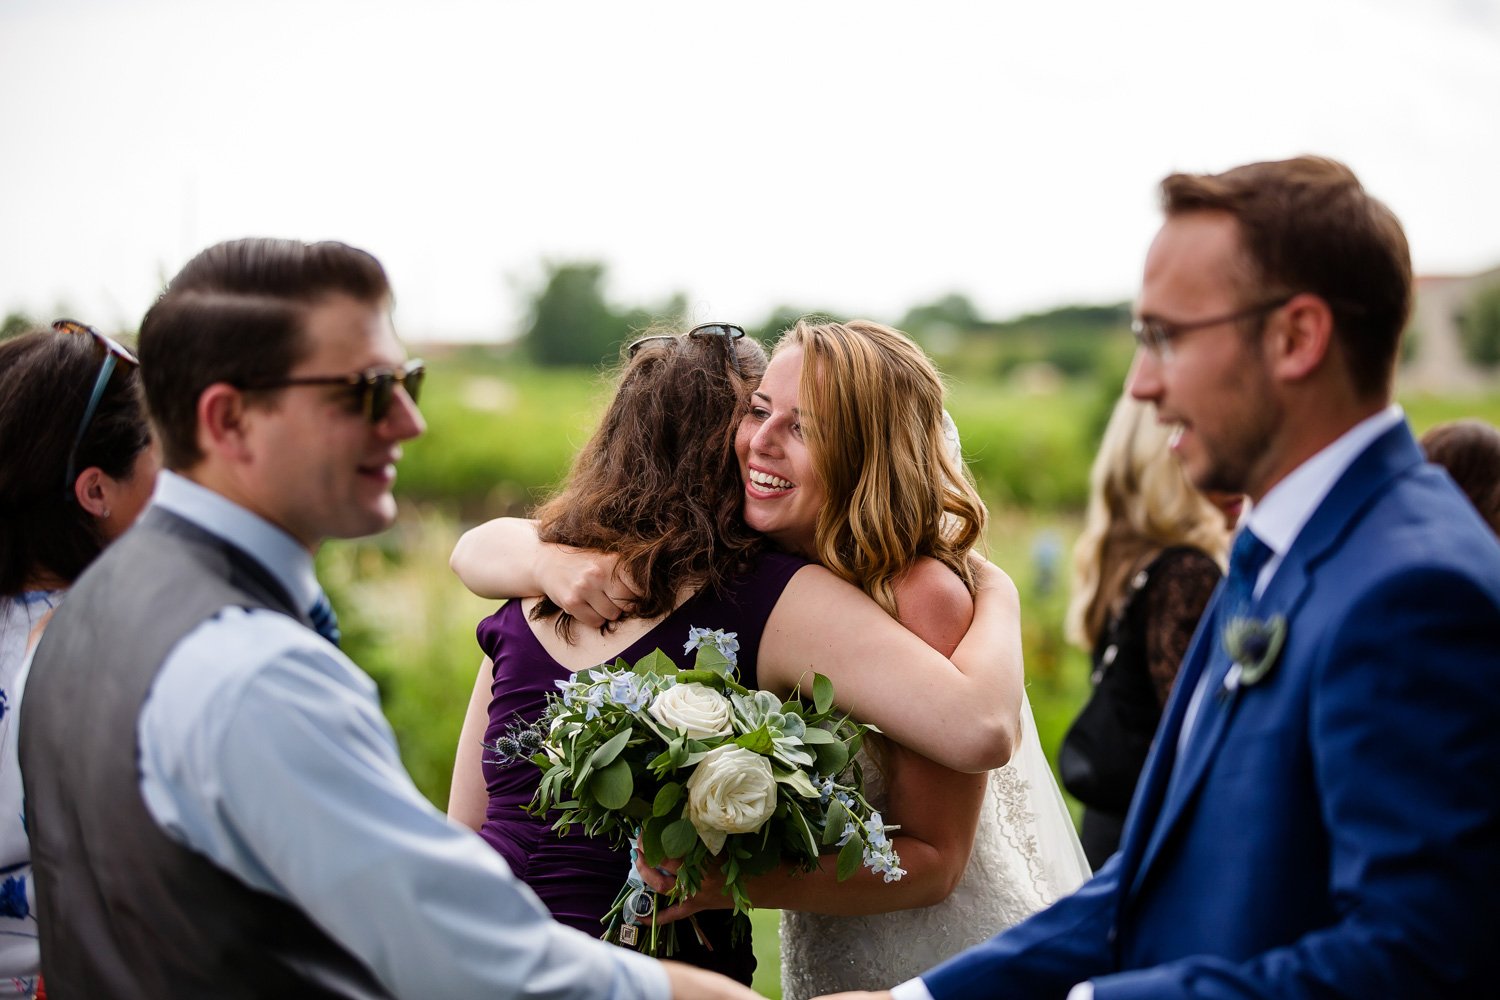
1150	554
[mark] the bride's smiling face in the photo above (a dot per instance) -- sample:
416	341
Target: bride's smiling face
783	492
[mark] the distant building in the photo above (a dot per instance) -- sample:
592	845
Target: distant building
1437	362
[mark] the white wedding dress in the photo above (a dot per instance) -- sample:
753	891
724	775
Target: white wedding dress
1026	854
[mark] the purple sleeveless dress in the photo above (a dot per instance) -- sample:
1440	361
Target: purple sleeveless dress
578	877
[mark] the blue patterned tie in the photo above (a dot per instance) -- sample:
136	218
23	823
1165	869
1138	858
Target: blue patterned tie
324	621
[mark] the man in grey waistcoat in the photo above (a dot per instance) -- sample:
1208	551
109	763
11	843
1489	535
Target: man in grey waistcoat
215	800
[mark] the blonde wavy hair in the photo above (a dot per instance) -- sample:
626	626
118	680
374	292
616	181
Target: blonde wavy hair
1140	502
872	417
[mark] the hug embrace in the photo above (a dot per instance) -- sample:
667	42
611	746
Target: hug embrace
216	806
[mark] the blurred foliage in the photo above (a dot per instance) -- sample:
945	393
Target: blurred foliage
14	324
1479	328
569	322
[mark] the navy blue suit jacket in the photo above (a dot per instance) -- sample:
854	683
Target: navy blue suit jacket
1335	830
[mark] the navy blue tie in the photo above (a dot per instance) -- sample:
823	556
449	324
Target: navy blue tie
1246	559
324	621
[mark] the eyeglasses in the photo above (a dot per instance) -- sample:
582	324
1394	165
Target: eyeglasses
114	352
373	390
1156	336
728	332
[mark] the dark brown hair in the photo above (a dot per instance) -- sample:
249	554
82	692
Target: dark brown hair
45	381
1470	451
658	483
1307	225
234	314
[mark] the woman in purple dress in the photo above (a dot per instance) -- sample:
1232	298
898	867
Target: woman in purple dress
658	487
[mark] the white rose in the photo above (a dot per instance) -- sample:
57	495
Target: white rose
696	711
731	791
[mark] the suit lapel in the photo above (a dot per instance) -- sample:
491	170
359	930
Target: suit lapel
1162	803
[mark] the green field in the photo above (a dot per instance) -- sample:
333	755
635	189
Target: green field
501	435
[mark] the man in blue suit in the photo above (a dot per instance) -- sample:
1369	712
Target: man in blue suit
1320	814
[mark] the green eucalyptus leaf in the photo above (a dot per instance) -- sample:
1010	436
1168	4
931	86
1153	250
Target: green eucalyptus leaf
612	785
850	856
822	693
678	838
611	748
759	741
799	782
816	735
667	798
802	834
710	658
833	826
655	662
832	757
651	848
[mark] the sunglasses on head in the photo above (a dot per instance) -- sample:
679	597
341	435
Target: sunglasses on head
114	352
372	391
727	332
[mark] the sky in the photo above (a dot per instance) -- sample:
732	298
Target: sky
857	158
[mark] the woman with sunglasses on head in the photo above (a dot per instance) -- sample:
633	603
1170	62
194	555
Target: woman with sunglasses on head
76	468
658	488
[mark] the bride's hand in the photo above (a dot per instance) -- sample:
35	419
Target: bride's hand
710	894
585	583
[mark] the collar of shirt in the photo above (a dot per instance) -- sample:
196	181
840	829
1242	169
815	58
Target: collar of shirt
1281	513
273	548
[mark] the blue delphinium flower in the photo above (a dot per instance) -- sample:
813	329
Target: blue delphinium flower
727	643
627	691
826	788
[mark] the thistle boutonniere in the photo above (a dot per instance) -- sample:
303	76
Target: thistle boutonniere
1254	645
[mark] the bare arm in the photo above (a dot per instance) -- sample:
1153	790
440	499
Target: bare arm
937	809
968	714
467	796
504	558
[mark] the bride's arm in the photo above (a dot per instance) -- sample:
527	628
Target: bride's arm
936	809
504	558
963	714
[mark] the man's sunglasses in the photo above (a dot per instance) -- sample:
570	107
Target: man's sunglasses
727	332
114	352
373	390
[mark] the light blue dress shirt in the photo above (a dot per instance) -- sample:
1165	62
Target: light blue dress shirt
264	749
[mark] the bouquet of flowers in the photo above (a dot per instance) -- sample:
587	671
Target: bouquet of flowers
690	764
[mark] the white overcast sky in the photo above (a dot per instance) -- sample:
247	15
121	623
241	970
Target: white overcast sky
859	157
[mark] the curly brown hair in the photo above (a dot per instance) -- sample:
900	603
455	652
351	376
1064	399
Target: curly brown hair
658	483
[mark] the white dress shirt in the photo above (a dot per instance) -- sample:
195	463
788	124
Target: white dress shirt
1276	520
264	749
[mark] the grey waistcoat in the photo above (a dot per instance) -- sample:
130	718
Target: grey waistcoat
124	911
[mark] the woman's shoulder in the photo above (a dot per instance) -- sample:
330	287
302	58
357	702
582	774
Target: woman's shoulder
933	602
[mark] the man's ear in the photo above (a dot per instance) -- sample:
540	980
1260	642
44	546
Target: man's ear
222	421
89	491
1300	337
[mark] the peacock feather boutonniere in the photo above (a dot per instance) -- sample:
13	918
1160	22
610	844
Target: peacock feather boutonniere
1254	645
